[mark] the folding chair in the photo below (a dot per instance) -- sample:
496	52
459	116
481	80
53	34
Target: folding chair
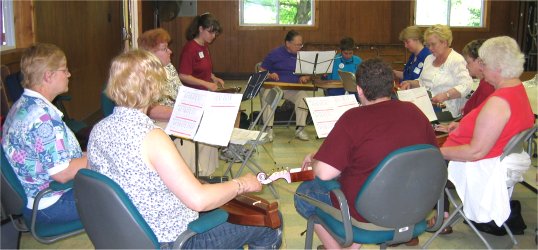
515	145
238	147
395	199
349	81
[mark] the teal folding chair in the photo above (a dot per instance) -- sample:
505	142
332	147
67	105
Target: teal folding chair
112	220
14	200
395	199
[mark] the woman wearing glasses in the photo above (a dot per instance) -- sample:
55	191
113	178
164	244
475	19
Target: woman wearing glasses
195	65
156	41
280	63
444	73
37	143
413	40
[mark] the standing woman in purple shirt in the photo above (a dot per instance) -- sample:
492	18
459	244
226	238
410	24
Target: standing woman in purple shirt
280	63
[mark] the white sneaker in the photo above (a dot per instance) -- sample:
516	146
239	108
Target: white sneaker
301	134
270	135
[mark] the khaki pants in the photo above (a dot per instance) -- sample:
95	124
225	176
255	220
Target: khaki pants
295	96
208	155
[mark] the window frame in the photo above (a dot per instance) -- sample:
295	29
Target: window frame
8	14
314	26
486	19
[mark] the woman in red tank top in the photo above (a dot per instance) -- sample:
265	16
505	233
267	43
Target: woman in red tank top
485	131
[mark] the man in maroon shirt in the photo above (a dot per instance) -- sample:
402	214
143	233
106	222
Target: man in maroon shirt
360	140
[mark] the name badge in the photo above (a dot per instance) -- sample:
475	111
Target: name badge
341	65
416	71
201	54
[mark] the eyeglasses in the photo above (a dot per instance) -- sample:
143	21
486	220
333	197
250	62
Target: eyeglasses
66	70
298	45
165	49
481	62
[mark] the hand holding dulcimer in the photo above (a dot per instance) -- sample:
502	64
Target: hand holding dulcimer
292	175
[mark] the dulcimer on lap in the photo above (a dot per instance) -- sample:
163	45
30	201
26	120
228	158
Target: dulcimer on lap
251	210
292	175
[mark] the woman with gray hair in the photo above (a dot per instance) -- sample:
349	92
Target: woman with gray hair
475	146
444	73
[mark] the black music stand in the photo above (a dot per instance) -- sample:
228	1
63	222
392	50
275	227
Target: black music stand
314	62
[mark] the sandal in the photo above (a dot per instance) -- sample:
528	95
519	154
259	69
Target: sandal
446	230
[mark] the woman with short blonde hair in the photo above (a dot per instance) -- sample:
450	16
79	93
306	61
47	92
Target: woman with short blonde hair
136	80
414	42
444	74
130	149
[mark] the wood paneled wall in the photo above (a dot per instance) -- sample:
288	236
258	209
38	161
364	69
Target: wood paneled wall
236	50
90	35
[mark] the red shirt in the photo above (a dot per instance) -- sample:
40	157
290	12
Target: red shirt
521	118
482	93
195	60
363	136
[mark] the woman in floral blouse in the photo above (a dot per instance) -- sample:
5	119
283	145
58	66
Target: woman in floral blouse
37	143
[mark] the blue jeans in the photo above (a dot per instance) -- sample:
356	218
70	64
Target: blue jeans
64	210
313	190
231	236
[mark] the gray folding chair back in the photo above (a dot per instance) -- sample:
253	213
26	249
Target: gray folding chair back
243	152
516	144
348	80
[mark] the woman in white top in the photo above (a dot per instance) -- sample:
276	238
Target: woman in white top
445	74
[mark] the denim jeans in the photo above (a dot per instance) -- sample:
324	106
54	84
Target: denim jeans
231	236
313	190
64	210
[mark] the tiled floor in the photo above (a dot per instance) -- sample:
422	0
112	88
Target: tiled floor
290	154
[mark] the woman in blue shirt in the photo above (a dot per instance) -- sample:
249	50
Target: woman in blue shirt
413	39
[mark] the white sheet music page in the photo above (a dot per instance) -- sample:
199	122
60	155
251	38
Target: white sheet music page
218	119
419	96
187	113
326	110
307	59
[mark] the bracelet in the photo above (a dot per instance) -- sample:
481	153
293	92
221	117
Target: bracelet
447	95
239	186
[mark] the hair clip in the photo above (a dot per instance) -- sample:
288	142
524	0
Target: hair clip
207	13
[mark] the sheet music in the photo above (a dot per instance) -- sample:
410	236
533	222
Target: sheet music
326	110
419	96
204	116
307	59
242	136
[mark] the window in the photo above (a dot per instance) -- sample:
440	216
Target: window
276	13
8	38
455	13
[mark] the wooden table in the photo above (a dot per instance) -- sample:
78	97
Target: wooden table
303	86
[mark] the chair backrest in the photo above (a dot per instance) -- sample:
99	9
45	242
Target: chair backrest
271	102
404	187
348	80
108	215
257	67
107	105
515	145
13	86
12	193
